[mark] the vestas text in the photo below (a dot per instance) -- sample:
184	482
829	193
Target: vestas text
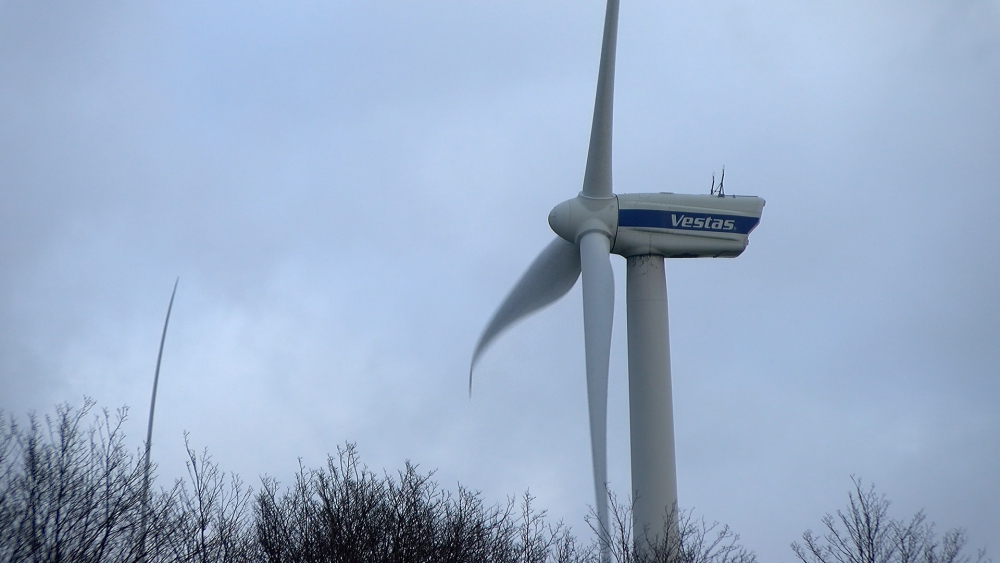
686	221
708	223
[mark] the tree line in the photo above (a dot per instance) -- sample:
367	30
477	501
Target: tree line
72	491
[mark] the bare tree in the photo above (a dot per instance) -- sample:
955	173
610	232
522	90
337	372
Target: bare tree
213	521
865	533
70	491
346	512
683	539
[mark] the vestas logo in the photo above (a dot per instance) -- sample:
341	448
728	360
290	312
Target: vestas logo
708	223
662	219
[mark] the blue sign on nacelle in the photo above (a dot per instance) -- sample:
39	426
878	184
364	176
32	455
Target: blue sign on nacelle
657	219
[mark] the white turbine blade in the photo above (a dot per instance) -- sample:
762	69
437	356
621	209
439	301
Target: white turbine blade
549	277
597	179
149	429
598	317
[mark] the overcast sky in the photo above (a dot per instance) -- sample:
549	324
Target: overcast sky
347	190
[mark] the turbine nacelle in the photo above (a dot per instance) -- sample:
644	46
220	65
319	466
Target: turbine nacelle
662	224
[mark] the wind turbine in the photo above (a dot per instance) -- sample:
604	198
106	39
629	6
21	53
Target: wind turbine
645	229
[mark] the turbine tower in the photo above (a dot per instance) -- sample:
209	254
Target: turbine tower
645	229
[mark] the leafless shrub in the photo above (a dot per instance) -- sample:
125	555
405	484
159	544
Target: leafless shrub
865	533
70	491
683	539
212	521
346	512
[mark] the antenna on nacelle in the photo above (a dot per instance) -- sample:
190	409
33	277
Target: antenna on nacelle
719	191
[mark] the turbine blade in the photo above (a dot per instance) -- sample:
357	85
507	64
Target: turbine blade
597	179
156	374
149	429
598	317
549	277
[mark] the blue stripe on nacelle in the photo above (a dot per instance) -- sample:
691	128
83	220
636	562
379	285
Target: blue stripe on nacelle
713	223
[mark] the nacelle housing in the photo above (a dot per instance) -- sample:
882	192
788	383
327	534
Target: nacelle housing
684	225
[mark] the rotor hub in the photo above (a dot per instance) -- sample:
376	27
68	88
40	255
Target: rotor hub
576	217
